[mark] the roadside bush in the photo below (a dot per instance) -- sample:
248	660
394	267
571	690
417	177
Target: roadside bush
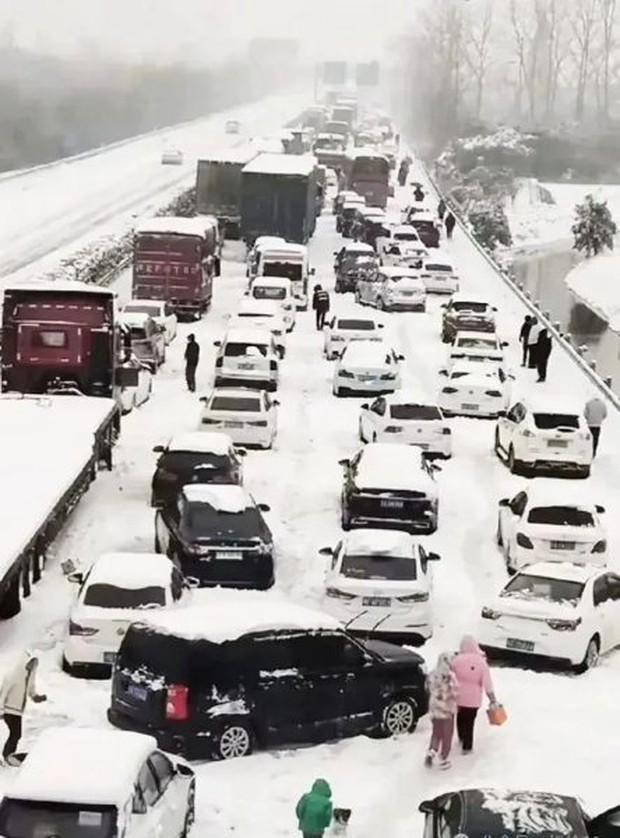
489	225
594	228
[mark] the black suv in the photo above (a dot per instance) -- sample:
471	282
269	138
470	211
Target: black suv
466	316
219	680
196	457
352	264
217	535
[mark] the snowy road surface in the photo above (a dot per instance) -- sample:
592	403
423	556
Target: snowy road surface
46	209
559	733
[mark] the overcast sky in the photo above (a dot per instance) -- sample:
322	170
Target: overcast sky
204	29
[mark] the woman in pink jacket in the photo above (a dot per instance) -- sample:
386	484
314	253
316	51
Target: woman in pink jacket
473	677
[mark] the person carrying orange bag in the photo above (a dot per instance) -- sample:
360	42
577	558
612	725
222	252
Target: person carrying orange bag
497	714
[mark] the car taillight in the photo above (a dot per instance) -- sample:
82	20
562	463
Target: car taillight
458	355
421	597
273	366
449	390
77	630
206	421
495	393
564	625
388	376
259	423
600	547
393	429
177	704
446	431
490	614
345	374
219	362
337	594
197	548
524	541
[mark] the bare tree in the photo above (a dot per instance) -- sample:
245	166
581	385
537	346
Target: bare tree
582	17
477	52
607	13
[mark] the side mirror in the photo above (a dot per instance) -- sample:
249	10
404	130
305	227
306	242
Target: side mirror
365	407
159	449
312	271
191	582
600	509
241	452
275	403
203	399
217	343
326	551
138	806
493	308
344	462
76	578
427	807
443	371
504	502
184	770
501	413
264	507
433	557
505	344
380	326
400	357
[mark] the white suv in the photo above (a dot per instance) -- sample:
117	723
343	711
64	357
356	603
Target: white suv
544	434
247	358
340	331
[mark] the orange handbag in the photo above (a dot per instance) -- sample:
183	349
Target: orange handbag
497	715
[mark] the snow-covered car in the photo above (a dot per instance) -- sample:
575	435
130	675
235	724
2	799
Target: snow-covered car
172	157
472	346
367	367
113	593
266	314
160	311
254	253
406	419
393	289
232	126
544	433
249	417
551	521
353	262
406	256
472	388
379	584
389	486
439	275
401	236
134	395
112	783
277	289
340	331
145	338
247	357
555	610
463	314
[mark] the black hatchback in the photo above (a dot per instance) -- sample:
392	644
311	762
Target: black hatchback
221	679
195	457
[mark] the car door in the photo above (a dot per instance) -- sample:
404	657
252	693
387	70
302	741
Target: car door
320	659
603	612
510	518
172	802
364	687
508	424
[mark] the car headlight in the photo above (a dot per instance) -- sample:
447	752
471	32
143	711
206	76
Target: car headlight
335	593
345	374
524	541
600	546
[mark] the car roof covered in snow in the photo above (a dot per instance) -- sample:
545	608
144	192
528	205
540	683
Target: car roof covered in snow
394	272
130	570
230	617
249	334
176	225
562	570
435	259
62	286
260	308
271	281
556	492
554	403
265	241
362	352
384	542
224	497
282	248
82	765
281	164
499	813
360	247
392	466
371	212
201	442
235	154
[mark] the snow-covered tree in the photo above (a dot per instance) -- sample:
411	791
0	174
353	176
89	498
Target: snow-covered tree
594	228
489	224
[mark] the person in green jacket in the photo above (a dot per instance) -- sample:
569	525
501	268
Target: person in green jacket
314	810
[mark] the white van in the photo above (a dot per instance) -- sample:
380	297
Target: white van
291	261
247	357
278	289
261	243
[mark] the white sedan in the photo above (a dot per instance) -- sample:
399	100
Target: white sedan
266	314
439	275
116	591
393	289
136	394
249	417
379	584
158	310
367	367
172	157
474	389
340	331
551	521
474	346
406	256
555	610
405	418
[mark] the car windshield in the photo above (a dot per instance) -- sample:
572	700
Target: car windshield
151	311
268	292
379	567
359	259
417	412
285	269
103	595
137	333
356	325
475	343
31	819
202	521
551	421
239	404
238	350
431	266
406	237
525	586
563	516
478	307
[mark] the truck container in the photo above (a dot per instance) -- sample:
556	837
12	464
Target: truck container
175	259
50	448
218	187
60	335
278	197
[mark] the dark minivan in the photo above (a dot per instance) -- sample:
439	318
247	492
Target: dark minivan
221	679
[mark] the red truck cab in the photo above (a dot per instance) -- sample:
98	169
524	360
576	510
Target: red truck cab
59	334
175	259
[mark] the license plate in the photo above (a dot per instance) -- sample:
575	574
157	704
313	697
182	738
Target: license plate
562	545
557	443
137	692
366	377
470	407
381	601
246	366
387	503
520	645
109	657
230	555
407	293
233	424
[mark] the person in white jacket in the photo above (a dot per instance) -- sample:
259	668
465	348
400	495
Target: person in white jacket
532	341
18	686
595	413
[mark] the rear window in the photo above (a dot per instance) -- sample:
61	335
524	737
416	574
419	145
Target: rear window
566	516
356	325
268	292
406	237
185	461
476	343
551	421
438	268
379	567
110	596
51	340
138	333
238	350
202	521
285	269
419	412
31	819
478	307
235	404
159	654
525	586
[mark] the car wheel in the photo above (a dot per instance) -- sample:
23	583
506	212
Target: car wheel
361	433
498	535
398	717
381	304
591	657
157	544
496	443
190	814
374	437
345	521
584	472
514	465
233	740
336	392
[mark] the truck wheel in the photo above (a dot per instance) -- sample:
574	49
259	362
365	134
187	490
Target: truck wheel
10	604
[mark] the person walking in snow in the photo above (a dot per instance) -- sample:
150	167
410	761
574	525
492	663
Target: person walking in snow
314	810
450	224
18	686
192	354
473	677
523	336
543	350
441	209
443	690
595	413
418	194
532	342
320	304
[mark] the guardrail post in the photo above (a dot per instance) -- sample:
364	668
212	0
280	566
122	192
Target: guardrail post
558	326
608	381
593	365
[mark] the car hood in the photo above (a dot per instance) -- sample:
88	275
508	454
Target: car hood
390	653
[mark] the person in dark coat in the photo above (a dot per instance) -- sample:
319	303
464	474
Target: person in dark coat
192	354
320	305
524	335
543	350
418	194
441	209
450	223
532	343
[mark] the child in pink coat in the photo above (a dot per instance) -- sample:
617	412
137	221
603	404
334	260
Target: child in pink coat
474	678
